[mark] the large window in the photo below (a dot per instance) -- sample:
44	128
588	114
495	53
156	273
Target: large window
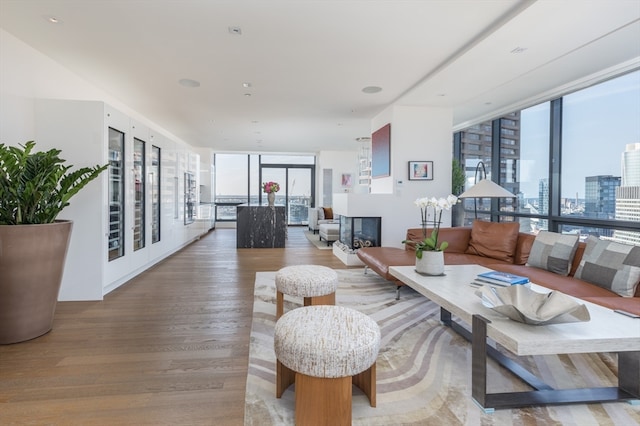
602	124
573	163
232	184
239	178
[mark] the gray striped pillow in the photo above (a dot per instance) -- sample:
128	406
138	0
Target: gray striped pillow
611	265
553	252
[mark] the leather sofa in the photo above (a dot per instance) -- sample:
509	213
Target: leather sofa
458	253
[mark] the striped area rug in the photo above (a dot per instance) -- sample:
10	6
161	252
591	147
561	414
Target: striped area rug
423	367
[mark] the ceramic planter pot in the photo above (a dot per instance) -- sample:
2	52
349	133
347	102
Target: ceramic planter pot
432	263
31	265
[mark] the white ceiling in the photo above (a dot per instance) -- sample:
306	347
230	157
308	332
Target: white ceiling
308	60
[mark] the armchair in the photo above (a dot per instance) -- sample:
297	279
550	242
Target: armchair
317	218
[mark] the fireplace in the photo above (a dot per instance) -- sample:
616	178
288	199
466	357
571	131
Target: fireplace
357	232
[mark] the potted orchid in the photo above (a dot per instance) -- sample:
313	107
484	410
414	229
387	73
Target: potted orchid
270	188
432	264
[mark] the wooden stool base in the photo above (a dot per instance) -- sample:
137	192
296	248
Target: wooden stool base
325	401
328	299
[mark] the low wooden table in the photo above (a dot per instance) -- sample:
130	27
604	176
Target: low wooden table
606	332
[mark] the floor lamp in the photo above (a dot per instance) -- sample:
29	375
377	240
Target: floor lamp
484	188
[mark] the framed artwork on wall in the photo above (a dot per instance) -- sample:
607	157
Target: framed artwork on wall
420	170
347	180
381	152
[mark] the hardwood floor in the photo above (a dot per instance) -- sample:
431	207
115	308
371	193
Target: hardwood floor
169	347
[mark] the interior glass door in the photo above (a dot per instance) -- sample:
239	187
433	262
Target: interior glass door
295	190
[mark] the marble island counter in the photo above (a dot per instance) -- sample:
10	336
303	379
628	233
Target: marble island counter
260	226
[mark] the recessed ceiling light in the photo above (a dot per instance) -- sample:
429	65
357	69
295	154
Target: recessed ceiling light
247	94
487	103
442	95
364	139
372	89
246	85
235	31
187	82
52	19
519	49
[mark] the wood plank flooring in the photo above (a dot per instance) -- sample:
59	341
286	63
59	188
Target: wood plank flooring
170	347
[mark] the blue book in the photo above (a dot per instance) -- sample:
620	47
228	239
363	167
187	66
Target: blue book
504	278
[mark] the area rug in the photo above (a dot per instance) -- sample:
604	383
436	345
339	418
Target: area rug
423	368
315	240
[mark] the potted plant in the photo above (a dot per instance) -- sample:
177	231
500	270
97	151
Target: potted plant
457	187
429	251
34	188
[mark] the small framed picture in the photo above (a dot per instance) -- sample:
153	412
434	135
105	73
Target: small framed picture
346	180
420	170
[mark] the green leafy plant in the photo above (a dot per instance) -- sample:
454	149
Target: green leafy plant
457	178
430	243
36	186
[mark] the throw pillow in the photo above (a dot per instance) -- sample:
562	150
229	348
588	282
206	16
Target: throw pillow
320	213
610	265
553	252
496	240
328	213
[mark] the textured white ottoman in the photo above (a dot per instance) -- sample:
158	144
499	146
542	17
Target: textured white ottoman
316	284
329	232
324	350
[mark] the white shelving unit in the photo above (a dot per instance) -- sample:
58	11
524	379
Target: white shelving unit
101	254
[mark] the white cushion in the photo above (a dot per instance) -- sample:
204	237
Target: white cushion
326	341
306	280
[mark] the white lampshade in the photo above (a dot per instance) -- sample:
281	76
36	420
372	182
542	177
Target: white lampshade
486	188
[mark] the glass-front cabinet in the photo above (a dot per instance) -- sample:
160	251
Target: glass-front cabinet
116	194
154	181
139	185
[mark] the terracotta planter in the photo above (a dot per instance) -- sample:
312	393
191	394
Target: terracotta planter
432	263
31	265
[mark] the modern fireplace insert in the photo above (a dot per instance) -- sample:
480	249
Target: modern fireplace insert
357	232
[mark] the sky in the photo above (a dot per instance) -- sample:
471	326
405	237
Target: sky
598	122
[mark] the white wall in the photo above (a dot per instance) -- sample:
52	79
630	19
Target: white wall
26	78
417	134
340	162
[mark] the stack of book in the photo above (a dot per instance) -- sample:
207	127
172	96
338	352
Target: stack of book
500	278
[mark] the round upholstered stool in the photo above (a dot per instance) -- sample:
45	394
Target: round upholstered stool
324	350
316	284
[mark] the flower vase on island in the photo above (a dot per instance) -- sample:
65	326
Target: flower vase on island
270	188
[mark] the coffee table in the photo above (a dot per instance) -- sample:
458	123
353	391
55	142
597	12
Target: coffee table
607	331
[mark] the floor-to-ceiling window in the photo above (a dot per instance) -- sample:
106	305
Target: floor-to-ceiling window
239	179
600	140
296	176
573	163
232	184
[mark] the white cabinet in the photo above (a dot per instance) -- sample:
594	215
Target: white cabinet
112	238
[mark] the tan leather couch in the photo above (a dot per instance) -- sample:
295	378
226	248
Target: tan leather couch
380	258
